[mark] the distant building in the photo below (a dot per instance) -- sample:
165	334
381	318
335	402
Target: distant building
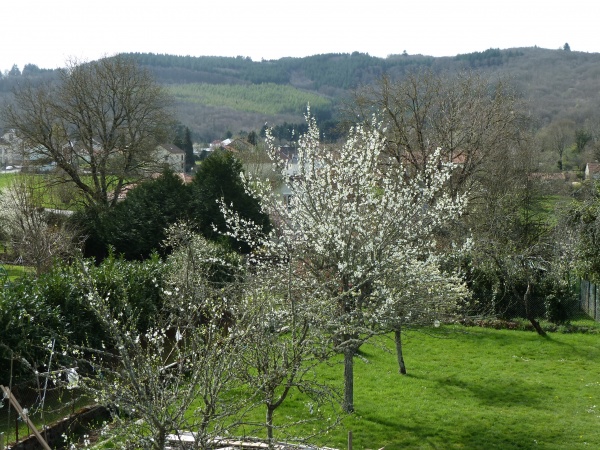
592	171
5	151
172	156
11	149
214	145
238	145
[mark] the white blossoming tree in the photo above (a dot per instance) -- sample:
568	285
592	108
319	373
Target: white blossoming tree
352	226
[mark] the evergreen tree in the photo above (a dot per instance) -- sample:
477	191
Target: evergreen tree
136	226
14	71
183	140
188	148
252	138
218	178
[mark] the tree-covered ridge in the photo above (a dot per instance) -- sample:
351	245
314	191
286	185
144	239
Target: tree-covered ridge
267	98
211	69
489	57
337	70
558	84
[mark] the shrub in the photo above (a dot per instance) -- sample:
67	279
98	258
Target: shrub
34	311
27	323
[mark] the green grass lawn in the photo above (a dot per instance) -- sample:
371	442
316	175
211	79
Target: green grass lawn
468	388
13	271
474	388
6	179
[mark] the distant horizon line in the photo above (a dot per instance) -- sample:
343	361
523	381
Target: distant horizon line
404	53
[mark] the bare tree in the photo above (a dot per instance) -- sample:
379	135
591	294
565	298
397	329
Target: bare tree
99	123
558	138
474	121
37	235
511	235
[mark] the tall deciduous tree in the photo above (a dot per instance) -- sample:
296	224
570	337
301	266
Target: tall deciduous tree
351	221
100	124
474	121
512	236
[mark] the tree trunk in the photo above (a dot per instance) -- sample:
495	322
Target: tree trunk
529	314
269	420
348	405
161	439
398	340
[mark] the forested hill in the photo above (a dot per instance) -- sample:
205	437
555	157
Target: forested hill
329	72
215	95
559	84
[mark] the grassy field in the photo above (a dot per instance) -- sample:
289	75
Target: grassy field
53	195
268	98
6	179
469	388
474	388
13	272
49	197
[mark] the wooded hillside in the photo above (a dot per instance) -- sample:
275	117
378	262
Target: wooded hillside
215	95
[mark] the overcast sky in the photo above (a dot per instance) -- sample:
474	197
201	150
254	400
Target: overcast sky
50	32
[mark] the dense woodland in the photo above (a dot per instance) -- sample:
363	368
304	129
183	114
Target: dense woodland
215	96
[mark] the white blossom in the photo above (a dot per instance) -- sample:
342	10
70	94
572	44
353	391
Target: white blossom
359	232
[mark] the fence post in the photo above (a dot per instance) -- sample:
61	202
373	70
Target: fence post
587	297
25	418
592	299
581	293
596	304
1	441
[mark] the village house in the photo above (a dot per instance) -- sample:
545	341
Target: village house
214	145
171	156
11	149
592	171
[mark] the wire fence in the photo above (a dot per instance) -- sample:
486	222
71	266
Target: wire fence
43	402
555	306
